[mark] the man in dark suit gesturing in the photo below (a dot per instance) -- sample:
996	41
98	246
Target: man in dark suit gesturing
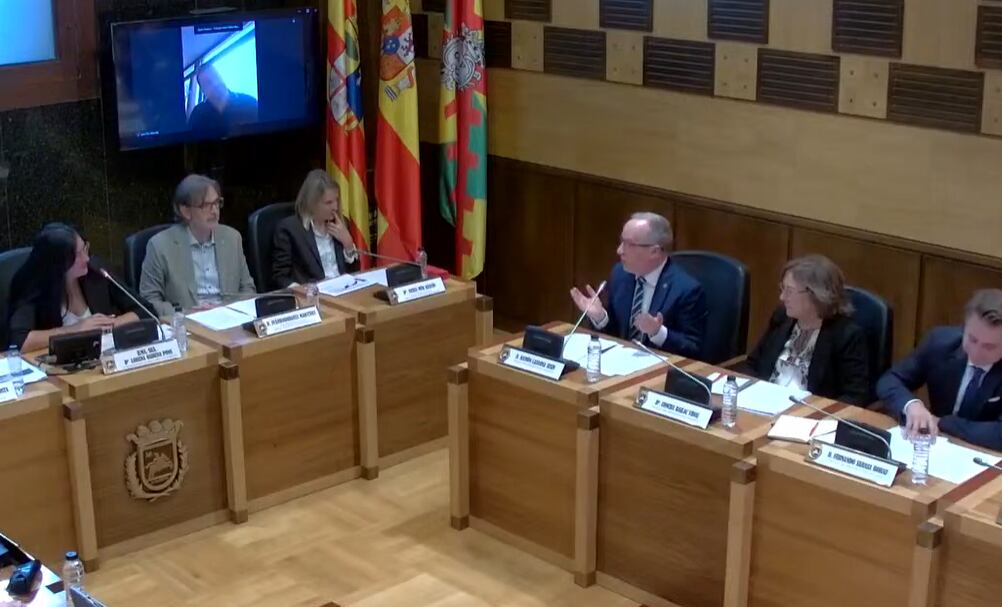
961	368
650	298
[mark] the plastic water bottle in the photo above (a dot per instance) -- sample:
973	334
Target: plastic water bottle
593	371
920	457
729	411
15	367
180	330
73	575
311	295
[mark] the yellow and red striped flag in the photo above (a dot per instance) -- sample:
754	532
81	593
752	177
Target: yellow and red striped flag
398	167
463	133
345	135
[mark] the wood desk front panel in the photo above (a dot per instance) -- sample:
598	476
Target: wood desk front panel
37	508
815	546
299	413
193	398
662	513
412	355
522	462
969	572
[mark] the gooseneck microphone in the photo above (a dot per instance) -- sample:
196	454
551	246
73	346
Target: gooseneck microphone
847	422
667	361
128	294
422	261
583	314
981	462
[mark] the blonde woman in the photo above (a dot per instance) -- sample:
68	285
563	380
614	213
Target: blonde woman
315	243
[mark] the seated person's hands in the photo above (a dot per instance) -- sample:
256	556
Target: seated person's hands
596	312
649	325
95	321
918	417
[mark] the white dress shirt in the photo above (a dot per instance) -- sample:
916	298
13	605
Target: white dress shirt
328	254
650	284
966	379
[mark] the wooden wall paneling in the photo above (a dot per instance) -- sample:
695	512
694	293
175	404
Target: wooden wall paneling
497	43
762	245
428	72
941	34
581	14
946	286
889	272
681	65
800	80
744	20
433	6
625	57
868	27
800	25
529	244
419	25
991	112
493	10
736	70
527	46
533	10
626	14
580	53
436	23
599	214
863	86
681	19
935	97
989	39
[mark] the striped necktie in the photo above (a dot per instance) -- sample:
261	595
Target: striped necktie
637	308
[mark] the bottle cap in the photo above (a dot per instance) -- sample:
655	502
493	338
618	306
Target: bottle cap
71	556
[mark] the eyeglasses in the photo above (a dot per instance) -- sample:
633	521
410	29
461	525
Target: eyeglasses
206	206
786	290
627	243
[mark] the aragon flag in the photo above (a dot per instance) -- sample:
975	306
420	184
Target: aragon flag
398	174
463	133
345	135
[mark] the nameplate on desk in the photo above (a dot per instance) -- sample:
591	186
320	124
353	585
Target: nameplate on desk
854	463
673	408
7	391
287	321
416	290
516	358
143	356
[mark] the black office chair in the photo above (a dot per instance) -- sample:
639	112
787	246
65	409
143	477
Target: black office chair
726	283
876	317
260	232
135	252
10	262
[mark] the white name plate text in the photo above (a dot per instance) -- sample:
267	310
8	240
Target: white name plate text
7	391
417	290
855	464
673	408
287	321
516	358
143	356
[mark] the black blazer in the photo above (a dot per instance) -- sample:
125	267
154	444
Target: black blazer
939	363
839	367
295	258
101	296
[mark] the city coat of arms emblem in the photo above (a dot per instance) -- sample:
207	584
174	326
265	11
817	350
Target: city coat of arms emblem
159	462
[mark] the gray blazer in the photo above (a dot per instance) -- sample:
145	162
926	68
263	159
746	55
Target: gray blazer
168	275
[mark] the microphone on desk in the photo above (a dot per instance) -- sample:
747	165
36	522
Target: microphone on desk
667	361
129	294
421	262
583	314
981	462
845	421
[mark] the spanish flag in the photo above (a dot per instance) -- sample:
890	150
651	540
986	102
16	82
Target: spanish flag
398	168
345	135
463	133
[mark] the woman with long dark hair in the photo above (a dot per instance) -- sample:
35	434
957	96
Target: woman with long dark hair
57	291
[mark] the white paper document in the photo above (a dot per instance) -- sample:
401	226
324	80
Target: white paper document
29	372
800	429
377	276
767	398
347	283
719	379
224	317
623	360
576	348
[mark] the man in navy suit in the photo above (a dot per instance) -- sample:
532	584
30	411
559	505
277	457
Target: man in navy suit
650	298
961	368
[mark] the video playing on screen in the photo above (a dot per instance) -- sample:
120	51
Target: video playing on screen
181	80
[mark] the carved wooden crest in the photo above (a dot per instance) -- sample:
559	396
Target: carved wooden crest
157	465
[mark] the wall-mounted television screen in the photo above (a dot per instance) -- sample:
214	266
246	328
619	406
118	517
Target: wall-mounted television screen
215	76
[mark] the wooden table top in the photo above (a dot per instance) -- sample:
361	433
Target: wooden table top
37	396
979	514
